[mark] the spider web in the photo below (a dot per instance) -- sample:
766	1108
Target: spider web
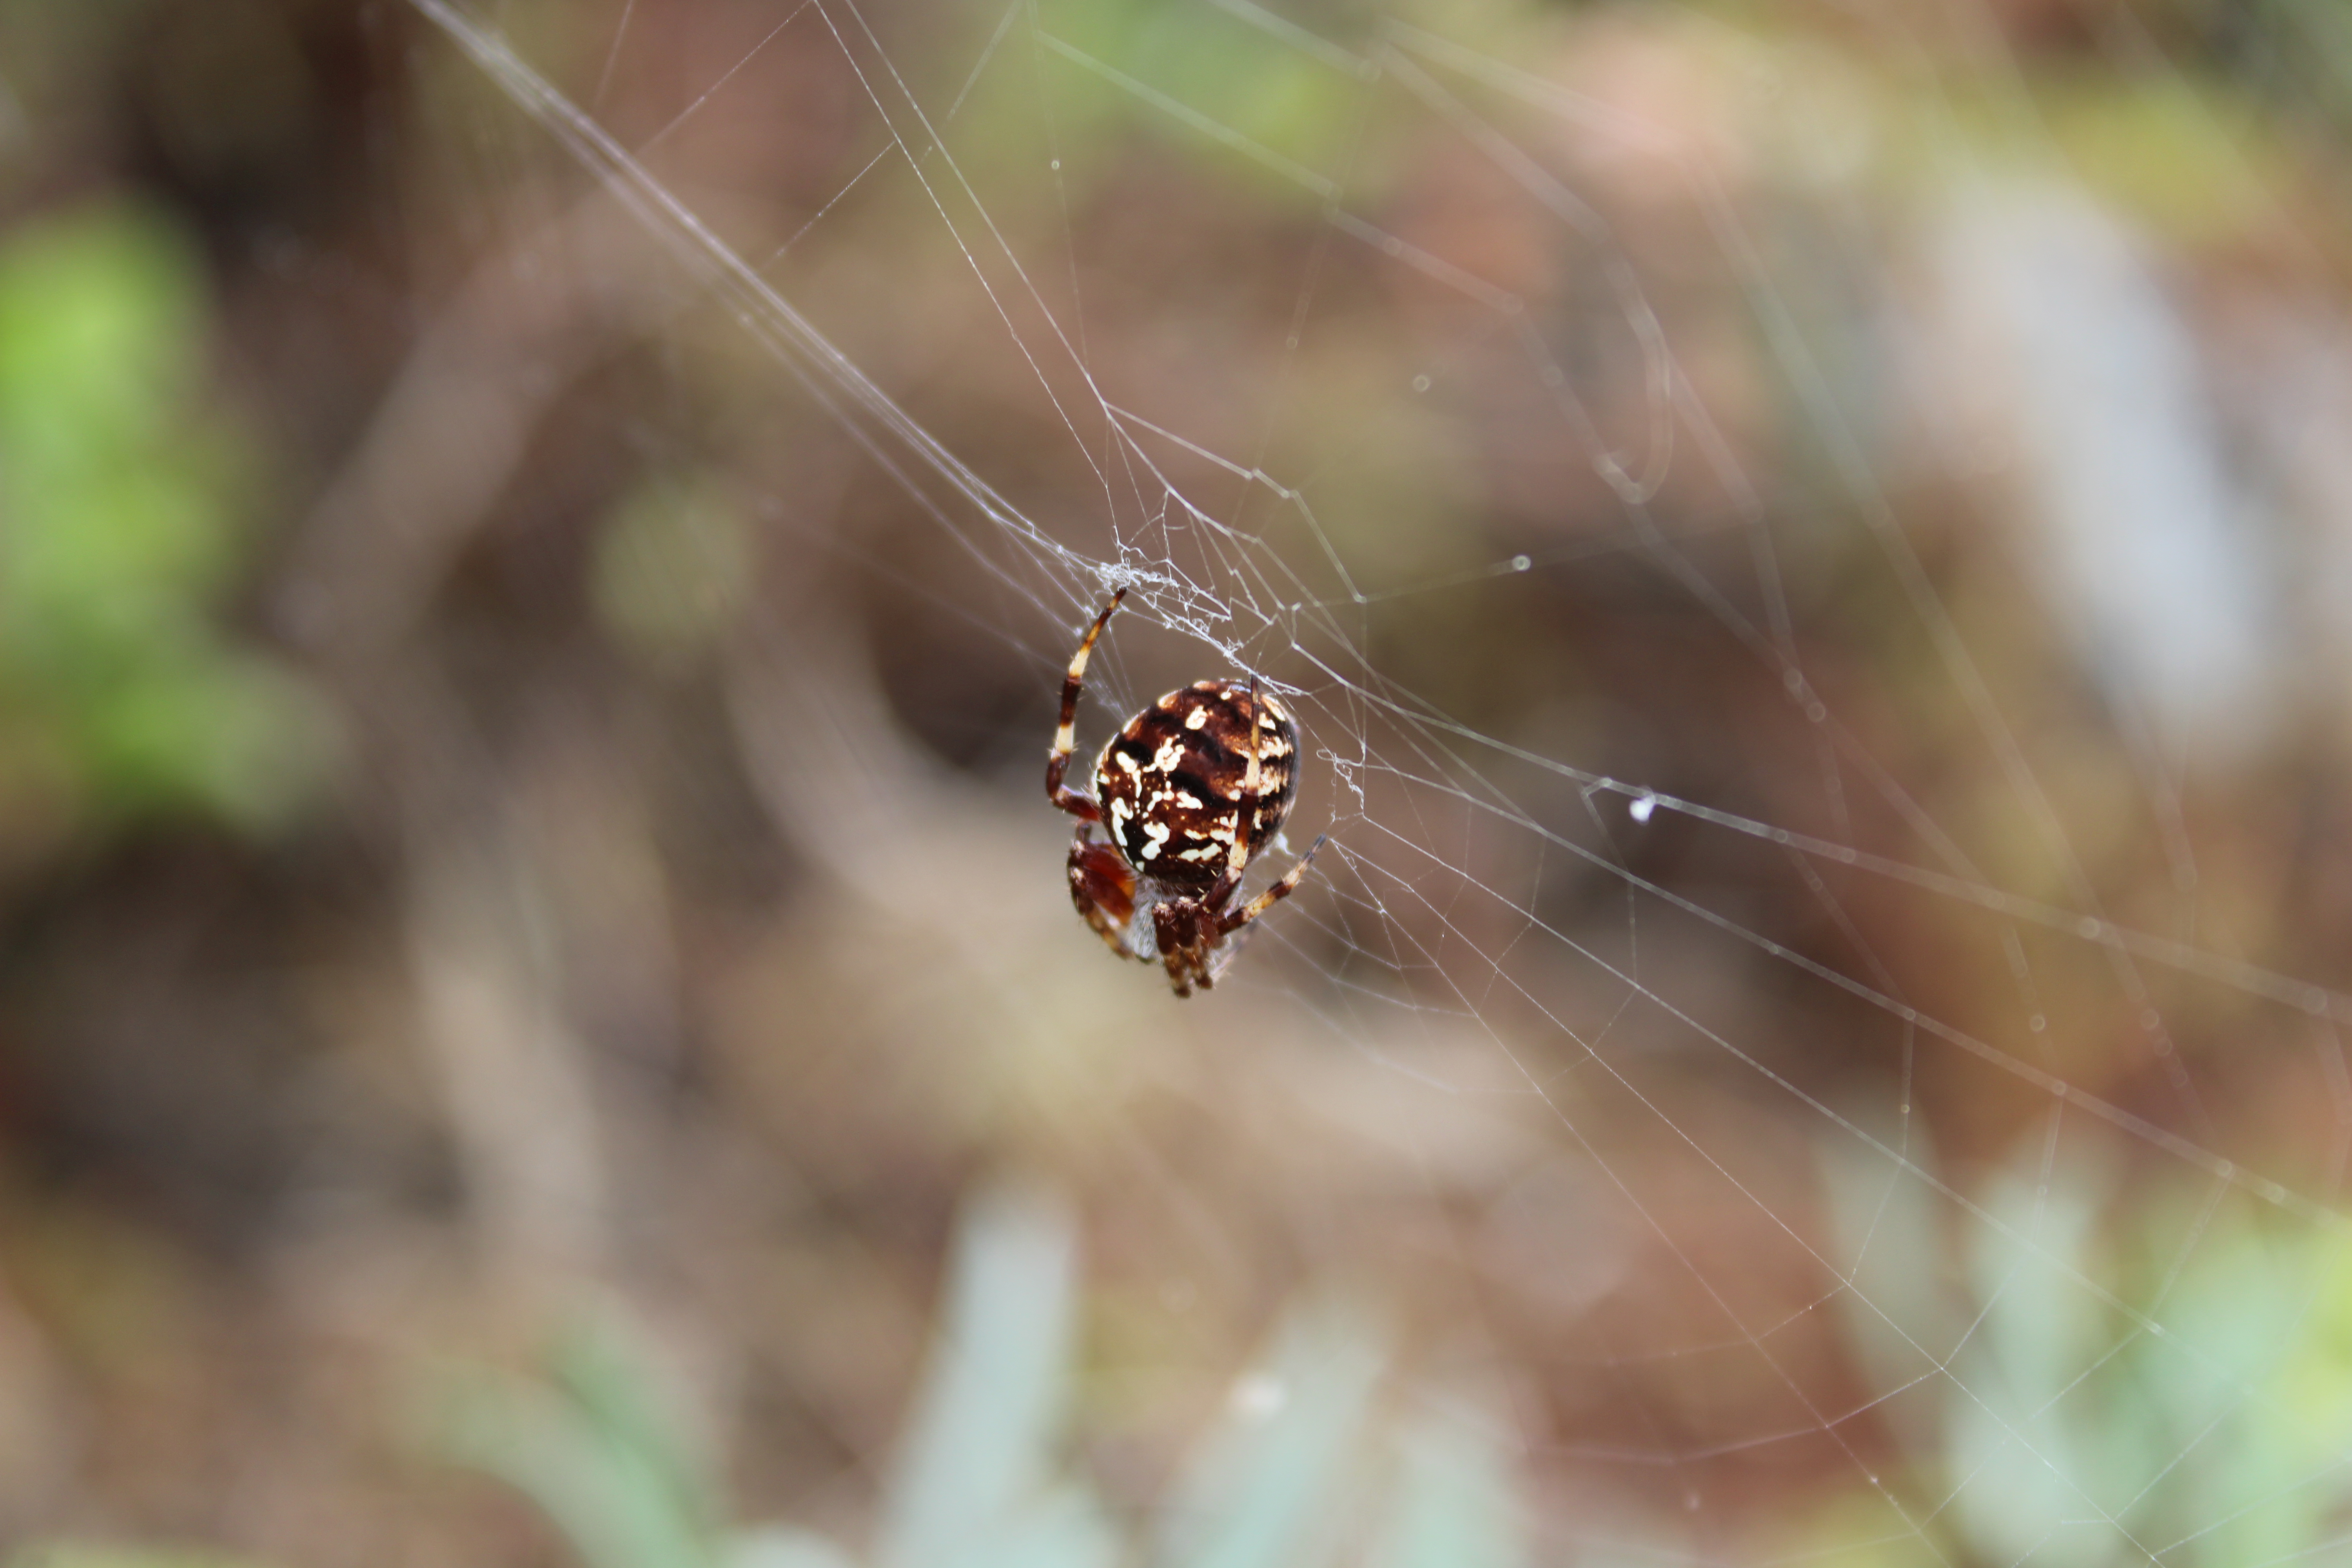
1734	953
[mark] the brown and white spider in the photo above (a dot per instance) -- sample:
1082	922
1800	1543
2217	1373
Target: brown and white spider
1174	788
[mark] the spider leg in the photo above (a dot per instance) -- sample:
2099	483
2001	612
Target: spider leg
1233	921
1186	929
1103	887
1194	971
1066	739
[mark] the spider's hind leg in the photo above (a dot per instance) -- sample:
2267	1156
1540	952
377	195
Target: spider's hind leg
1233	921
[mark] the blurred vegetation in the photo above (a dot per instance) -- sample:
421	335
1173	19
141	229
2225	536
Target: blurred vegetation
129	491
84	1554
2084	1364
1289	1479
504	807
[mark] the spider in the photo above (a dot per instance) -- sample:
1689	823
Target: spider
1174	788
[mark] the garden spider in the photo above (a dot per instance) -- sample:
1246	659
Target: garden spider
1174	789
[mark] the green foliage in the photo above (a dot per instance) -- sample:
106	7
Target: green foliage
1205	84
108	1554
2085	1380
976	1480
981	1479
672	570
588	1448
1454	1508
122	487
1265	1490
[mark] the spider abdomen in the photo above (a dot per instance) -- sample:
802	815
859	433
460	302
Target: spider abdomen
1174	783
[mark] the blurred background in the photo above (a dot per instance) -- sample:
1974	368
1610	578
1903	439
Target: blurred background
540	1019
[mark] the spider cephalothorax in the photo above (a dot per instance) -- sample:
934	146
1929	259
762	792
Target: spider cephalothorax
1191	789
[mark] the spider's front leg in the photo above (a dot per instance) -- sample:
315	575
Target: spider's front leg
1186	929
1102	886
1066	735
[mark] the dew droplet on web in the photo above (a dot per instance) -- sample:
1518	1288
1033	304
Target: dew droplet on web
1522	563
1642	806
1421	384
